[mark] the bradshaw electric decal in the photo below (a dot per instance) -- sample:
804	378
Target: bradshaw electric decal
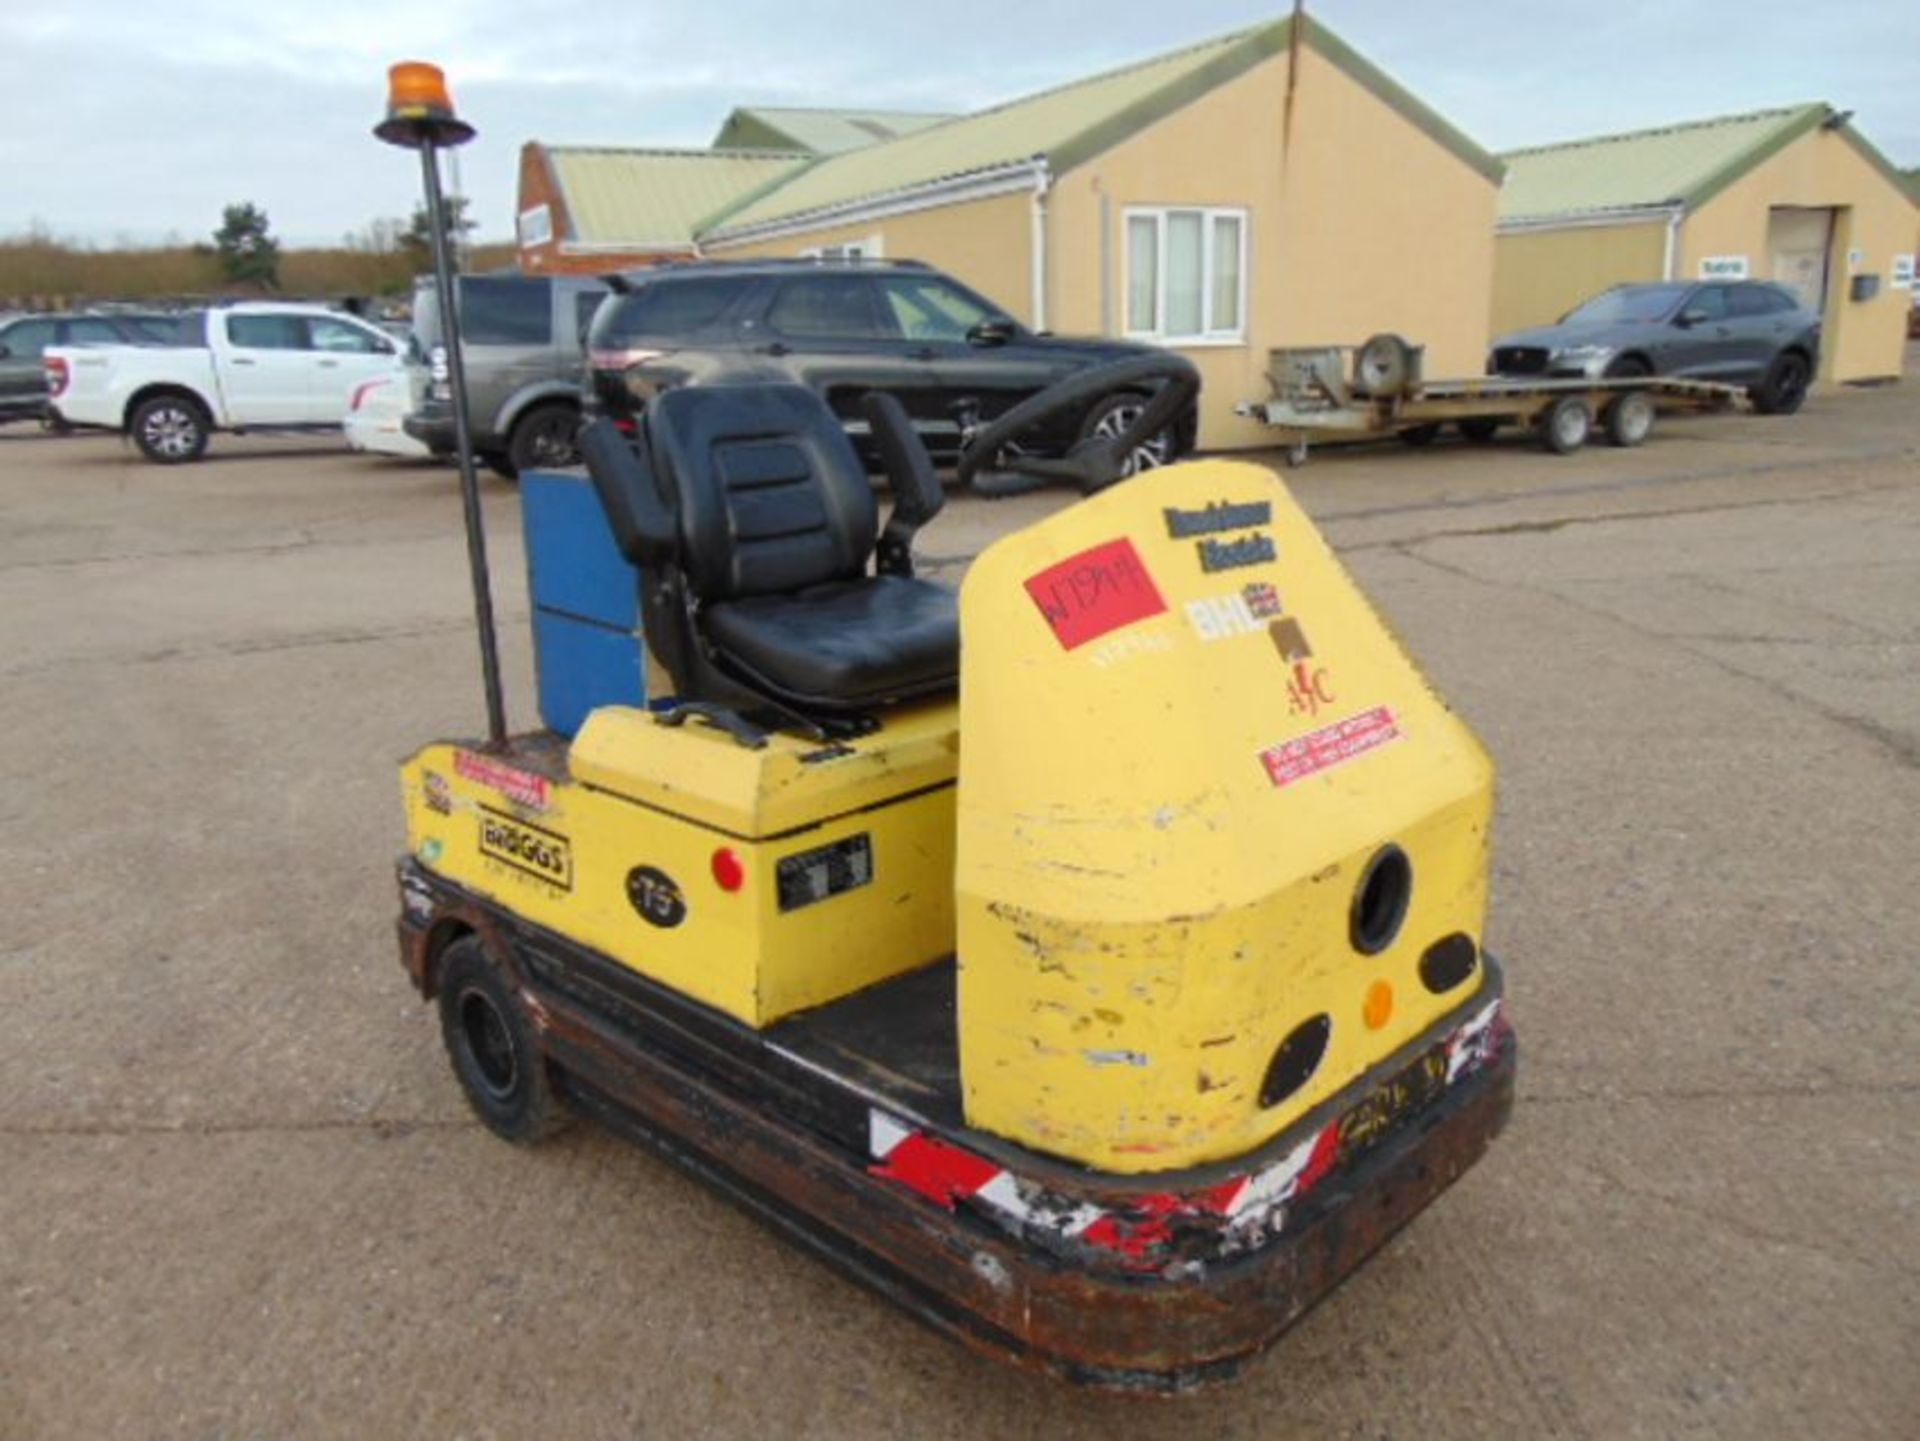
1330	746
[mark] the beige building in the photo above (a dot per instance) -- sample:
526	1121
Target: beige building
1795	195
1266	188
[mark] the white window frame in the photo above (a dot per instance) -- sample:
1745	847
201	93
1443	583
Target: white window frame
535	225
1209	334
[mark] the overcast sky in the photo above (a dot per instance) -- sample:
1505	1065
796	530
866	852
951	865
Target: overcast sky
136	119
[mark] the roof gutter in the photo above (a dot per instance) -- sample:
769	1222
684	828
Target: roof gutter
628	247
1007	179
1667	210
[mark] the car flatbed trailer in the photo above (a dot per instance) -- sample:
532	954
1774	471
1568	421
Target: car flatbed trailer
1312	400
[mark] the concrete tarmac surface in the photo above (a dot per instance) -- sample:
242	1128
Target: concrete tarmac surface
243	1198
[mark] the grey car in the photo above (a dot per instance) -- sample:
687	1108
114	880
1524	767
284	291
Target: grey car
523	341
25	338
1748	333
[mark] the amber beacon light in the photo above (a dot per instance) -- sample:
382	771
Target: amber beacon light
420	109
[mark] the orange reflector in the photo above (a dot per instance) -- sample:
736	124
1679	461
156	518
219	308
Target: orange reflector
416	89
729	873
1378	1009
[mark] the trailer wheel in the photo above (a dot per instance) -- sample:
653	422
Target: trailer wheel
495	1055
1629	420
1565	424
1420	435
1479	428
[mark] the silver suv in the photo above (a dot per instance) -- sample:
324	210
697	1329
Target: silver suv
523	343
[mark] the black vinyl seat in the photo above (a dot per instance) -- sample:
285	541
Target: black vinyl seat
862	643
753	524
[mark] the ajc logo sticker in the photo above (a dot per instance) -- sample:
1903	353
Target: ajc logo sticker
656	897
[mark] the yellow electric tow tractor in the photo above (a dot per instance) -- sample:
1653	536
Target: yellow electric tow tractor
1090	962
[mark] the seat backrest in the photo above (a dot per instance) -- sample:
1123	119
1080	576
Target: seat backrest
767	489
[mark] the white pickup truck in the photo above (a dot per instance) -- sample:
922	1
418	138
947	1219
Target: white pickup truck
259	366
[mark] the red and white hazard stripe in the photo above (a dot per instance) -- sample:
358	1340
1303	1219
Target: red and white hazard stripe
1246	1208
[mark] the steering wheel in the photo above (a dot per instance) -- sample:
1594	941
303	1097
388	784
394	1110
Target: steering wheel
1096	462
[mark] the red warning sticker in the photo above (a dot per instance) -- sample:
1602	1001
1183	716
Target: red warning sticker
1330	746
1096	591
521	787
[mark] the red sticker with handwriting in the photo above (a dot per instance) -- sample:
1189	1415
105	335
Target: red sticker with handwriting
1097	591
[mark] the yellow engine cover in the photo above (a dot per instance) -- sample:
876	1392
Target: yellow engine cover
1186	736
842	855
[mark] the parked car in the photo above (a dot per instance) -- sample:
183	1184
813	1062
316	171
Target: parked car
953	357
256	366
1747	332
377	411
24	340
522	339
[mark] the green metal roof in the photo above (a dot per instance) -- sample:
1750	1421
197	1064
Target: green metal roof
644	197
1066	126
1675	164
824	132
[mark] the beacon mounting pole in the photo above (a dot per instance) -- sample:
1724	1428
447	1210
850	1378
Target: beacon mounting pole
420	117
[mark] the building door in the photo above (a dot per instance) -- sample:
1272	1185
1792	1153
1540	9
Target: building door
1800	240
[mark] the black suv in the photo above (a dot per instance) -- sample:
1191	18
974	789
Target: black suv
845	329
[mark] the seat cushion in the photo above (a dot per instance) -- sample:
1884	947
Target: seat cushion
846	644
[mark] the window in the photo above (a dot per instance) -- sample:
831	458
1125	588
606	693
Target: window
666	310
584	306
506	310
1627	303
927	309
1750	300
535	225
1709	302
26	340
341	338
1187	274
267	332
94	332
159	329
826	307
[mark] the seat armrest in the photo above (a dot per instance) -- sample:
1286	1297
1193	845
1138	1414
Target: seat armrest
917	496
642	526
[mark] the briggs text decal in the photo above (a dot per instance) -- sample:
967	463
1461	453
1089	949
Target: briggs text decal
543	854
